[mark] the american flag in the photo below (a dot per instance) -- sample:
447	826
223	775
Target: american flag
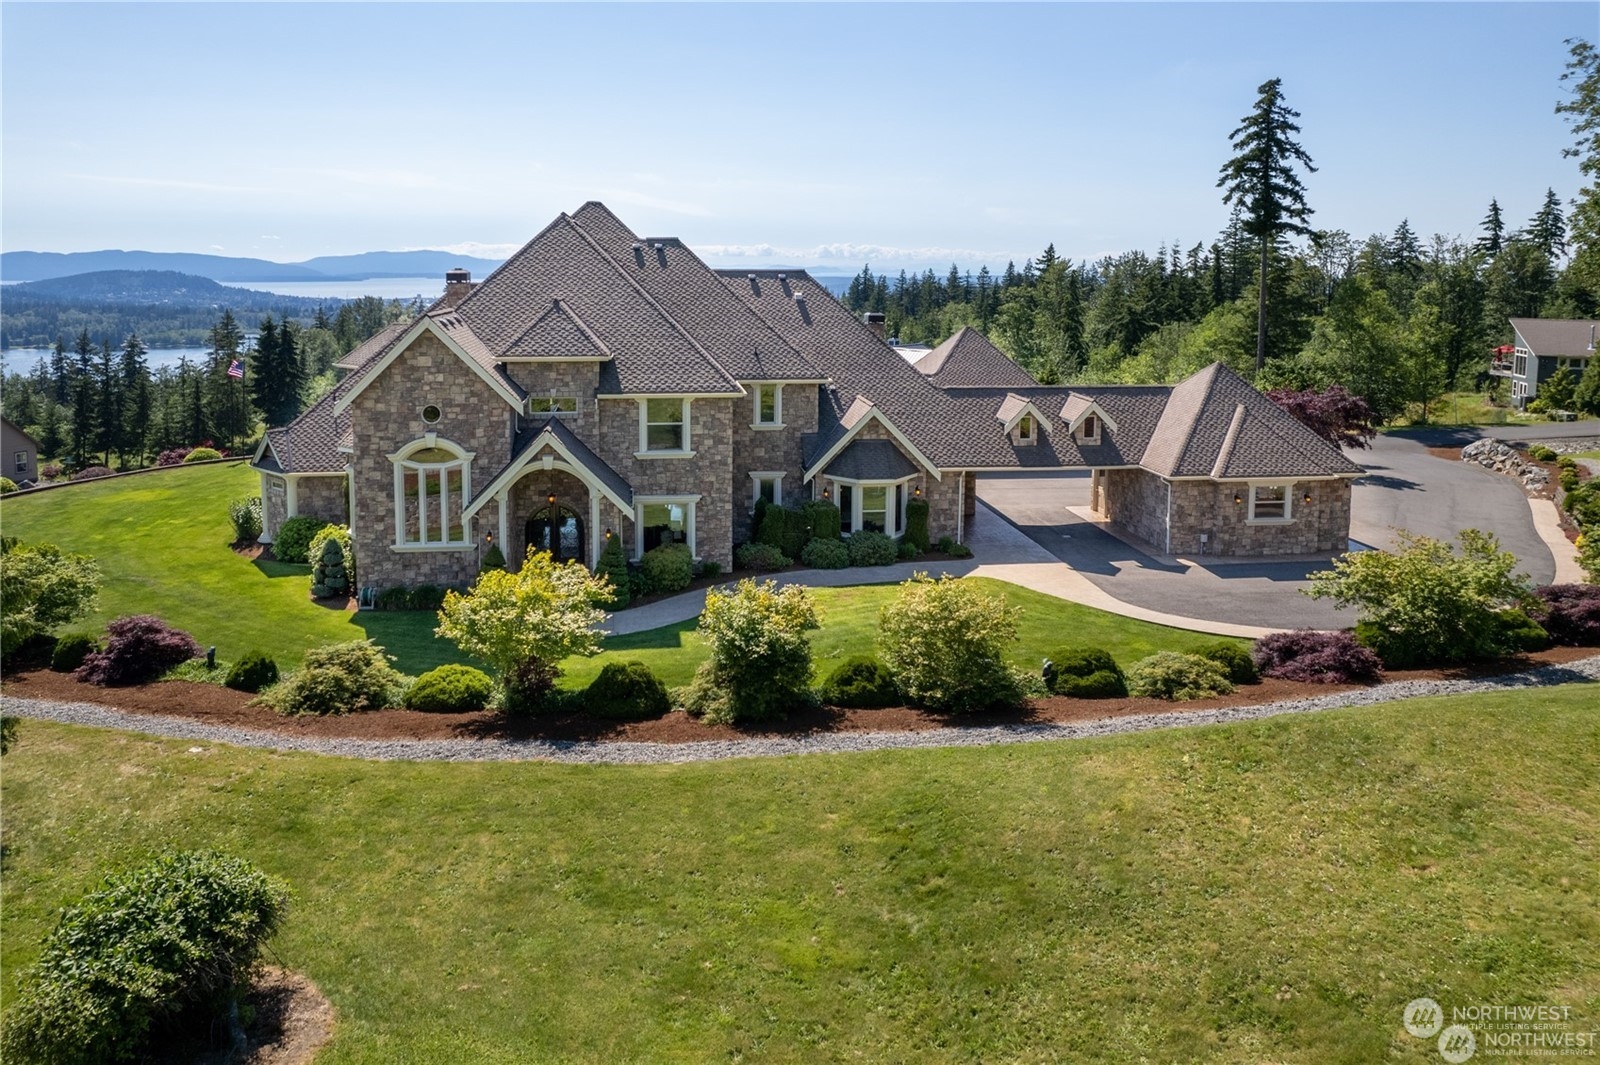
236	369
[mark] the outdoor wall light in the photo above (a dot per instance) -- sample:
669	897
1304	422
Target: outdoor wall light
551	499
919	491
488	538
608	534
1306	498
1237	498
827	493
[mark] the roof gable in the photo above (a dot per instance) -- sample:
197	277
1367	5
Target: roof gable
1014	407
968	359
557	334
1573	337
459	339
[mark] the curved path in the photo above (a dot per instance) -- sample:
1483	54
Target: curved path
622	753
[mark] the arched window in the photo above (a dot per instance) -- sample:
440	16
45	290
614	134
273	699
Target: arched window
432	479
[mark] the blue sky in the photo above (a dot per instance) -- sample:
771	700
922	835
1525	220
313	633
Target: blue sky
823	135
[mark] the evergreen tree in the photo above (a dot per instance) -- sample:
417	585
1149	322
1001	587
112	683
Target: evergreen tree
195	428
51	428
1582	112
134	381
264	369
1494	231
1047	258
1548	229
81	440
60	372
1261	177
226	407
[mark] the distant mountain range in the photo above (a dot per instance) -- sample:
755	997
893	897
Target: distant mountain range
44	265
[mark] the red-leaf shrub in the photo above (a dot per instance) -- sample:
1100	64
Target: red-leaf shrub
1570	613
1336	414
139	647
173	456
91	472
1316	657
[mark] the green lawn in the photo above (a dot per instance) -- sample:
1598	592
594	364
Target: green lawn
161	540
1271	891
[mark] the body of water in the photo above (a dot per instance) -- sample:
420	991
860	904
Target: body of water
388	288
21	360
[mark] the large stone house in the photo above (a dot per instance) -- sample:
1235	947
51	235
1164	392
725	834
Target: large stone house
604	384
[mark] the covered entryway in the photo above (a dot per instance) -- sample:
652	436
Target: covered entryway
558	529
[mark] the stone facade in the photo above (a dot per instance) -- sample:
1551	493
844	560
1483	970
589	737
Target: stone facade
1137	502
327	498
769	450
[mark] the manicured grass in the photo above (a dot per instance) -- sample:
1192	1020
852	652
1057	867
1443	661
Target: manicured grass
161	540
1272	891
1465	408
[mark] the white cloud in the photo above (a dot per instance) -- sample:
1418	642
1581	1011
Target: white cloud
474	248
845	252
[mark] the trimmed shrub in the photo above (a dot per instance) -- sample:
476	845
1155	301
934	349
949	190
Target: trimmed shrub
429	597
626	691
946	544
668	568
450	689
7	486
1520	633
906	551
783	528
825	554
1241	668
173	456
1566	462
710	569
36	650
1084	662
760	664
89	473
50	471
763	558
317	550
945	643
139	647
1313	657
392	599
613	567
868	548
245	514
168	942
71	650
917	524
252	673
327	571
294	538
1087	673
202	454
960	551
1570	613
1179	677
493	558
1540	453
860	682
823	520
341	678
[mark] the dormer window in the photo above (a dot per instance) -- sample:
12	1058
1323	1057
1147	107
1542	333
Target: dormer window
1089	431
1025	429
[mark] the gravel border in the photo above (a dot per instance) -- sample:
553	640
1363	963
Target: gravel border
626	753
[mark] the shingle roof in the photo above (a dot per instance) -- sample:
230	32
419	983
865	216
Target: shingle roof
1557	336
374	347
557	333
968	359
871	460
310	443
533	438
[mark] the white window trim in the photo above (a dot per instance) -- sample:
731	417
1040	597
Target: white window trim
777	406
688	503
577	405
1288	504
756	477
894	516
1082	436
401	463
644	452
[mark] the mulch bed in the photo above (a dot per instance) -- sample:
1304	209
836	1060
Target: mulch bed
216	705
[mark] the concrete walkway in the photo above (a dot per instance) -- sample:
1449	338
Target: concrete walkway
1002	553
1547	523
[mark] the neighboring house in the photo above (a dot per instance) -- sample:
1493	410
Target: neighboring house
603	384
1543	346
20	451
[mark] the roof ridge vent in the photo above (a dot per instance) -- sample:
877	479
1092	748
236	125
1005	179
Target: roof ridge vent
783	277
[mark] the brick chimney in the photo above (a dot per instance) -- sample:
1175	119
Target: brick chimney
874	321
457	283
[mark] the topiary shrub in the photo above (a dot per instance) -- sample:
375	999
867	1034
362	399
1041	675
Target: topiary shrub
945	643
245	514
668	568
1570	613
327	571
1087	673
1540	453
626	691
450	689
1178	677
1313	657
493	558
91	472
613	567
7	486
71	650
138	648
825	554
294	538
763	558
317	550
202	454
170	942
868	548
860	682
252	673
1240	666
1519	633
342	678
823	520
783	528
917	524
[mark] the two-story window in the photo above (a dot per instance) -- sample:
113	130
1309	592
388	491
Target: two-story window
664	427
1520	363
768	401
431	481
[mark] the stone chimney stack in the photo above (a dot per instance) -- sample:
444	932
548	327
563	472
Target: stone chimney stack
457	283
874	321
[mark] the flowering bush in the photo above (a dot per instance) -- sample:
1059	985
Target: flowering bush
524	623
944	641
139	647
1313	657
760	663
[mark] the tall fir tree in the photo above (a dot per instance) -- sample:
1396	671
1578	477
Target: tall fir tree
108	404
134	379
1582	113
1261	177
60	372
263	365
1547	229
1494	231
227	409
52	436
81	438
